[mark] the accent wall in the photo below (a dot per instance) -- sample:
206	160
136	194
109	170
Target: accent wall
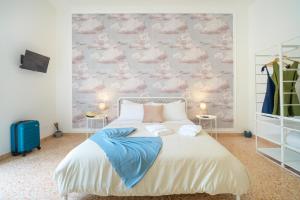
189	55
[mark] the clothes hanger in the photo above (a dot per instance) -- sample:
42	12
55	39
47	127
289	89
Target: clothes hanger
270	64
292	60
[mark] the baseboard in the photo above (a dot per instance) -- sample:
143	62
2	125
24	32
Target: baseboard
230	134
219	133
8	155
5	156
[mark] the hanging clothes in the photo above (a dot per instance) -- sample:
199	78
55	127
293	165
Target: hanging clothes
294	108
297	86
275	78
268	103
290	96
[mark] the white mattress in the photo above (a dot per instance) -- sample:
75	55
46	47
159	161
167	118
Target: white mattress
184	165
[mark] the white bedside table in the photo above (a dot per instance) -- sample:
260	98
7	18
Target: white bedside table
95	123
212	119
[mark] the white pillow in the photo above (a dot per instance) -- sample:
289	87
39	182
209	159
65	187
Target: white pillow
132	111
174	111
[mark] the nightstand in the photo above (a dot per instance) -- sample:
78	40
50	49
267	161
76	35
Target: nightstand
95	123
212	120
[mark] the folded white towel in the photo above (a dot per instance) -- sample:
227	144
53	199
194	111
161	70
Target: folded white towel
190	130
158	129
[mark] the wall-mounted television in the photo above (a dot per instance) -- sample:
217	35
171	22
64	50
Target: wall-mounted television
34	61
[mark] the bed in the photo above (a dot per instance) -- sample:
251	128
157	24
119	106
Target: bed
184	165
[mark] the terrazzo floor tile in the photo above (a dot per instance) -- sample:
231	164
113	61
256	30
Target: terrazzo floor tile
30	177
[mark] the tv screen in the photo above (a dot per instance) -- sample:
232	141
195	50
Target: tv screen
34	61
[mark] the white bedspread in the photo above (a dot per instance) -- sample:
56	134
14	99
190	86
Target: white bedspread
185	165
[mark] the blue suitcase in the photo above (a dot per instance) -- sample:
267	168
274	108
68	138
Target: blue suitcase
24	136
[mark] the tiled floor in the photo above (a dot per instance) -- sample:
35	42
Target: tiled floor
30	177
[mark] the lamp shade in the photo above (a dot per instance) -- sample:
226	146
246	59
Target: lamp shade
202	106
102	106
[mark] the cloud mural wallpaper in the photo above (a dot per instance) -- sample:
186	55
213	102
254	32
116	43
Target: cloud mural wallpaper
187	55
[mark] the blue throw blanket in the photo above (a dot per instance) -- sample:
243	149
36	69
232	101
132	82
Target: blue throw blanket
131	157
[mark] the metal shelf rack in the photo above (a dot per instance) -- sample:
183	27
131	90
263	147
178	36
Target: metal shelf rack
277	136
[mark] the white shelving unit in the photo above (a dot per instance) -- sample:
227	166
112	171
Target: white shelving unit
277	136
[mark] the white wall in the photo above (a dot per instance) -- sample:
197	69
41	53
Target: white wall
26	94
64	76
270	23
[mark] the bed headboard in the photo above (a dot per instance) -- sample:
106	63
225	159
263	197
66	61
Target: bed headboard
151	99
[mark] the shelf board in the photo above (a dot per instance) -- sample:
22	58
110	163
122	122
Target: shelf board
292	125
291	156
275	153
274	138
292	148
268	115
294	119
270	122
294	164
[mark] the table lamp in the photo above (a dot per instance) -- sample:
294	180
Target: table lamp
203	109
102	107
